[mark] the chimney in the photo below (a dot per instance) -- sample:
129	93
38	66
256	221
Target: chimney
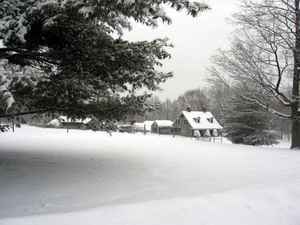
204	109
188	108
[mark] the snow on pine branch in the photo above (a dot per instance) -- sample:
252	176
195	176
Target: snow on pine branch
86	10
11	75
5	81
15	13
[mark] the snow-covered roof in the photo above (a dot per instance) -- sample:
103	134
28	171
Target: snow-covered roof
148	125
65	119
139	125
125	125
163	123
207	120
54	122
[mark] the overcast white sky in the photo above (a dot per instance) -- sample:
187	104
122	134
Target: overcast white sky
195	40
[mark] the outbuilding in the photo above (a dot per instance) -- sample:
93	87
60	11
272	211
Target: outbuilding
161	126
65	122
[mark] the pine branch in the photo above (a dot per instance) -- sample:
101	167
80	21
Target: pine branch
42	111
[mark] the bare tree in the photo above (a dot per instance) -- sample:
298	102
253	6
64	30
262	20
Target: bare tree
264	58
175	109
154	112
196	98
166	109
218	95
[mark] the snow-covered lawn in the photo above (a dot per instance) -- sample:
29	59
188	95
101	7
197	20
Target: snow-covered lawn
48	176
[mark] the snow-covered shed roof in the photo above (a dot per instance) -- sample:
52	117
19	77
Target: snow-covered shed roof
148	125
54	122
163	123
138	125
85	121
202	120
65	119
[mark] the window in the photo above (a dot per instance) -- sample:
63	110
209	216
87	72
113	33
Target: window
177	121
211	120
185	122
198	119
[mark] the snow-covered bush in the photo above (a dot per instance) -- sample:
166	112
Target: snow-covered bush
207	134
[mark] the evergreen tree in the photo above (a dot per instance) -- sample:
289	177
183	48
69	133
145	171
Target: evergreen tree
246	123
60	56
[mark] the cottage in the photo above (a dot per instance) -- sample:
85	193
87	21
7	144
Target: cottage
161	126
196	123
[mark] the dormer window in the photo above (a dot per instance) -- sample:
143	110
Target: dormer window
211	120
198	119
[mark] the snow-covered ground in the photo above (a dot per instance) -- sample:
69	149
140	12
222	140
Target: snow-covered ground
49	176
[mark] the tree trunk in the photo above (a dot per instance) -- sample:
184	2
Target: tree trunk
13	124
295	128
295	104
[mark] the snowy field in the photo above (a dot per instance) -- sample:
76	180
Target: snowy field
48	176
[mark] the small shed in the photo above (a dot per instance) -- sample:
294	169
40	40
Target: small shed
148	125
125	128
138	126
143	127
161	126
